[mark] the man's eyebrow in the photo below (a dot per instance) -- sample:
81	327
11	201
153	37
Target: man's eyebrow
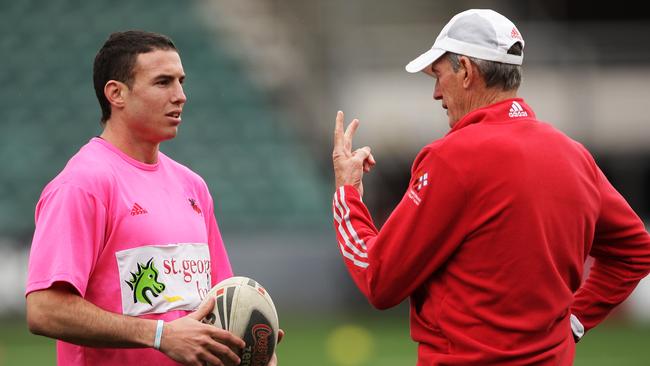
167	77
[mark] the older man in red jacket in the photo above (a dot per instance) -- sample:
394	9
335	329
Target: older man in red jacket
490	239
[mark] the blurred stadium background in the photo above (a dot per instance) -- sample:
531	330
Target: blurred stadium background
265	79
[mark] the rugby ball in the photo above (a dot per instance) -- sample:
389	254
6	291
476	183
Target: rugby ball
244	308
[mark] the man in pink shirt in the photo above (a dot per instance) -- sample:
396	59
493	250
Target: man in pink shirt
126	244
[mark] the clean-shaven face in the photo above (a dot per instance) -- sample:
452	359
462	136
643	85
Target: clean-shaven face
448	89
155	100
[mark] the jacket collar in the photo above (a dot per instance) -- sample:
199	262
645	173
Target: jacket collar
505	111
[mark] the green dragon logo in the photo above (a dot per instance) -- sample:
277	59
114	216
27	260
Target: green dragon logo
143	281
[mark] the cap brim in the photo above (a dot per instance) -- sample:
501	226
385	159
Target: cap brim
424	60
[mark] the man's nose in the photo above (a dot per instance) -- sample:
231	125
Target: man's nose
437	95
179	95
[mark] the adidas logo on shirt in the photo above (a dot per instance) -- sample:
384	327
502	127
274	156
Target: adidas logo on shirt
137	210
517	111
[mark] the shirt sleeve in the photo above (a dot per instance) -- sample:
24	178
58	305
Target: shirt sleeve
621	252
69	235
423	231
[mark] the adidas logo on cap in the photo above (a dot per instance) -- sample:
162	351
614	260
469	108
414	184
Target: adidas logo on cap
517	111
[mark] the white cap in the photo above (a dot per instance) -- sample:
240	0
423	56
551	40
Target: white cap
480	33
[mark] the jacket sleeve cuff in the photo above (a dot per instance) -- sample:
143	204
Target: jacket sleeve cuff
577	328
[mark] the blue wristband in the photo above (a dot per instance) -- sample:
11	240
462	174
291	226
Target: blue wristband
159	330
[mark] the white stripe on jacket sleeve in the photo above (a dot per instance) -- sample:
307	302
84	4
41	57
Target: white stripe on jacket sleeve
357	255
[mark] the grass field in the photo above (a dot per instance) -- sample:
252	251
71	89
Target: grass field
374	339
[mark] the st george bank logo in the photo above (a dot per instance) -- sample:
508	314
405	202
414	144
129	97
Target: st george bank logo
145	282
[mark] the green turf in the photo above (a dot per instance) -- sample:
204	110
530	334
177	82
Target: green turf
615	344
19	347
307	339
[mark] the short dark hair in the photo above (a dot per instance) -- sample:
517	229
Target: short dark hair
116	60
496	74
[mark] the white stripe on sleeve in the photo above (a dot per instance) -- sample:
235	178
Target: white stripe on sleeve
348	223
348	250
349	256
341	231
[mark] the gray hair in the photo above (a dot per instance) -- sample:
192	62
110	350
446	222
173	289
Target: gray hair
505	76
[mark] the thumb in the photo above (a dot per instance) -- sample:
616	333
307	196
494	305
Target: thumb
204	309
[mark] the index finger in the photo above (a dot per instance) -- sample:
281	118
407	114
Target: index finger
227	338
338	130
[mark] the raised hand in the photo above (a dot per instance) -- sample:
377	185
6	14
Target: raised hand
349	165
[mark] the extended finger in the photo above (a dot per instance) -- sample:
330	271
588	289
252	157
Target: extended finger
227	338
338	130
208	358
220	354
349	133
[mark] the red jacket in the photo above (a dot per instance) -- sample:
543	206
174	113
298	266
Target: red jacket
490	240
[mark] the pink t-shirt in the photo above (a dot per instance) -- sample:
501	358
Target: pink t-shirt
133	238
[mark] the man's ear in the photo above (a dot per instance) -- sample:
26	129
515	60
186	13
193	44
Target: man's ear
468	71
115	91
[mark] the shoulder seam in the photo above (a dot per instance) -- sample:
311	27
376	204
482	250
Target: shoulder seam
74	185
